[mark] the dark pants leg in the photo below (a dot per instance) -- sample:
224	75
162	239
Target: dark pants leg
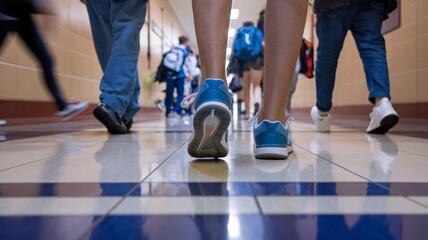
169	95
180	94
27	30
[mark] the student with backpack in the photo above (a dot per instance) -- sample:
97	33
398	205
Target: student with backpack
247	49
174	63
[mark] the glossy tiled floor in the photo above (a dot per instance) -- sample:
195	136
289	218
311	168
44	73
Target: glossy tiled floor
89	185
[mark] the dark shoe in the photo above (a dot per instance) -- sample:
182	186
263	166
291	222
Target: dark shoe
128	125
256	108
110	119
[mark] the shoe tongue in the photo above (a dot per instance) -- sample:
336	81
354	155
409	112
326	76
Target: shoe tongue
267	122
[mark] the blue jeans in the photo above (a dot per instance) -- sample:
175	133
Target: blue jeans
365	22
171	84
116	27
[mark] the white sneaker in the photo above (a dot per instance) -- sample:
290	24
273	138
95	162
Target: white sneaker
173	115
383	117
72	110
3	122
159	104
321	122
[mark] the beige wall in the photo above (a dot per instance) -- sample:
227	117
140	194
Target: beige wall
69	38
407	52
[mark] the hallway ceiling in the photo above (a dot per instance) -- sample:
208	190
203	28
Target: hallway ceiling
248	11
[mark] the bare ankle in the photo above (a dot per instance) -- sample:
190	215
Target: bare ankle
322	114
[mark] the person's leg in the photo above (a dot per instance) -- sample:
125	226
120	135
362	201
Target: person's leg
239	102
119	79
283	30
246	91
332	27
211	25
284	23
116	26
291	91
366	30
99	12
180	94
169	95
256	77
28	32
102	29
213	102
133	106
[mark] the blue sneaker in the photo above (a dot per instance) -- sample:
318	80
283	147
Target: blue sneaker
271	140
211	120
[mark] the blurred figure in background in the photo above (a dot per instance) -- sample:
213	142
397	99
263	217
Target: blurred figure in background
247	49
292	88
15	16
116	27
193	78
261	22
176	61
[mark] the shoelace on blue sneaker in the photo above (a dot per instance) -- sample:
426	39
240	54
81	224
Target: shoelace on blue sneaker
188	100
253	120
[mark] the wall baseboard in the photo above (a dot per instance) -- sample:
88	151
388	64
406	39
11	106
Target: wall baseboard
36	109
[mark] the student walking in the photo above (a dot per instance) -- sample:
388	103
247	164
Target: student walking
284	22
15	16
116	27
364	19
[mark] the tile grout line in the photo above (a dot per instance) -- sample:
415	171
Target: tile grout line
98	221
379	185
256	199
415	201
348	170
46	158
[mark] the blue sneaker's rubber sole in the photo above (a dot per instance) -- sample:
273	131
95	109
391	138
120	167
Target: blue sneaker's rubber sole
210	124
272	152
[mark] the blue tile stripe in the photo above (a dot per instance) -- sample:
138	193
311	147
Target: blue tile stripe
213	189
249	227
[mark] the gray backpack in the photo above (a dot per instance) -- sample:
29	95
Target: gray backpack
173	60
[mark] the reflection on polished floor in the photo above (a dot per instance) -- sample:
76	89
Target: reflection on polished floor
91	185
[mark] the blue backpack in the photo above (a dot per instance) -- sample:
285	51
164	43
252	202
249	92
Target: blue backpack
247	45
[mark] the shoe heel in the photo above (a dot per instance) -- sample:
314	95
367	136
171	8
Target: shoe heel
386	124
271	153
210	123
